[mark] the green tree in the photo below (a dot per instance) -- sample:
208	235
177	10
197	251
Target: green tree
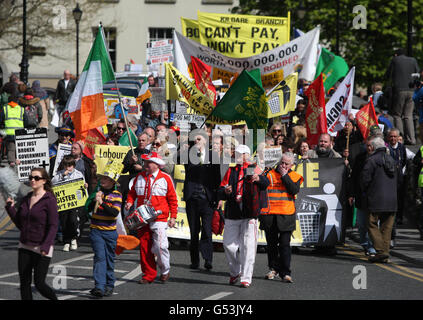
369	50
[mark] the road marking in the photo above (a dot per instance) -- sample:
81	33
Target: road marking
4	222
9	227
91	268
218	296
410	271
381	265
9	283
131	275
52	265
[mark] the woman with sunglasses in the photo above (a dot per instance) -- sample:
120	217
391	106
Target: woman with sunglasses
37	219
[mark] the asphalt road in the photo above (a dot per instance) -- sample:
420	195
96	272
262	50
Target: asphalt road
346	276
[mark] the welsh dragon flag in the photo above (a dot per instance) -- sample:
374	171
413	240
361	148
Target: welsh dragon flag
86	106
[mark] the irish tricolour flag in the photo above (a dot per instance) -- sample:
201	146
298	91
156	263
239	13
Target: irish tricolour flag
86	105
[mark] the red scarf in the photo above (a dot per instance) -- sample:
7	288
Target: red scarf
240	184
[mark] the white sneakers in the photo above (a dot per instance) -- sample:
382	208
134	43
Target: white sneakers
271	275
72	246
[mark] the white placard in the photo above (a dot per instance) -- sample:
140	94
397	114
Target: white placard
62	150
31	151
272	155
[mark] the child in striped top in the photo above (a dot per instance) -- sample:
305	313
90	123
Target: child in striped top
103	234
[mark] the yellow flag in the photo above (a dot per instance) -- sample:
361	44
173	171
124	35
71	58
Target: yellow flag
281	99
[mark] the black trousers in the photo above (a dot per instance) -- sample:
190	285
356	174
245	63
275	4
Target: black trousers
28	261
278	250
200	214
69	222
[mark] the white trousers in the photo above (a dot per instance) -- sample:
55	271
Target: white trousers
160	246
240	243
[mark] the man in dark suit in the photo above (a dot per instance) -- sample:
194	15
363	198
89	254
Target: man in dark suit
202	179
64	89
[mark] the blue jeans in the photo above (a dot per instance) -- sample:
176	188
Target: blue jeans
104	245
365	241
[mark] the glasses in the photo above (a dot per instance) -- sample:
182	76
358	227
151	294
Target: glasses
36	178
120	128
156	144
277	130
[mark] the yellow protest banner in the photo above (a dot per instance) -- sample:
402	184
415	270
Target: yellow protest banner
70	194
190	29
178	87
239	36
104	153
281	99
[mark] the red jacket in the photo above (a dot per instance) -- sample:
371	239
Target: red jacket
163	194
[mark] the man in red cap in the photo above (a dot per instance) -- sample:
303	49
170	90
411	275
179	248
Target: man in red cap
154	188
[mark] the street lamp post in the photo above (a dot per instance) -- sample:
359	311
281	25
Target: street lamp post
77	14
24	63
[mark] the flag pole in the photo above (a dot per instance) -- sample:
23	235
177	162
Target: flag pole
118	93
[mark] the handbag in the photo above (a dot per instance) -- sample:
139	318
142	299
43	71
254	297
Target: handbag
218	222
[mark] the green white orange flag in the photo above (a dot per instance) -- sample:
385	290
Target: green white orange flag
86	105
144	92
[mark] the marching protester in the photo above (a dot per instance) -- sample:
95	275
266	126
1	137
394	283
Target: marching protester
154	188
324	148
103	234
202	179
278	219
241	188
33	113
12	117
69	219
37	220
65	136
379	186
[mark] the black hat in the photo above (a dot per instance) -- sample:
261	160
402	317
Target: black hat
64	130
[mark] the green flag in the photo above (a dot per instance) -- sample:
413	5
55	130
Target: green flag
333	67
245	100
124	140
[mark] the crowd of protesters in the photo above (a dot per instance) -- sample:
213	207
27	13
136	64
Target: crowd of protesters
380	173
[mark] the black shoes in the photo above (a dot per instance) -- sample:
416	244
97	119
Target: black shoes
208	265
108	292
96	293
194	266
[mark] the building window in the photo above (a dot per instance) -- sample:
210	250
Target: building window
217	1
110	36
160	33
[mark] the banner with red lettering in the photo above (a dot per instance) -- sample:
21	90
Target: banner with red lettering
316	114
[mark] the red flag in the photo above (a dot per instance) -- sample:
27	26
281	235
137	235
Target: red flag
316	114
132	61
94	136
203	79
366	118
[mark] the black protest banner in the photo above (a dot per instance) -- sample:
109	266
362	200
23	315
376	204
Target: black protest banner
320	203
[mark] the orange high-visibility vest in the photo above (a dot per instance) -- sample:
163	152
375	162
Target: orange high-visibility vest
279	200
